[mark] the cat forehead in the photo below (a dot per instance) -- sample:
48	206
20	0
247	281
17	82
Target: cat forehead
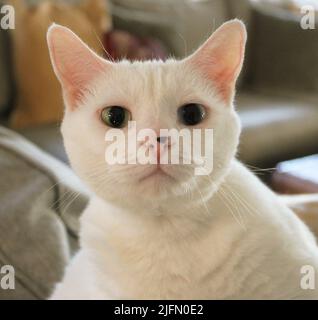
156	83
156	74
154	68
148	63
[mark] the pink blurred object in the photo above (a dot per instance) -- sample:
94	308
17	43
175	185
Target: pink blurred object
122	44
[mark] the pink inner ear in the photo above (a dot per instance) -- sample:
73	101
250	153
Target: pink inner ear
75	65
225	74
220	58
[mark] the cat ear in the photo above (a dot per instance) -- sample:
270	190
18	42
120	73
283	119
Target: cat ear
74	63
220	58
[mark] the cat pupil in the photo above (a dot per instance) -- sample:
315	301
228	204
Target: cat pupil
191	114
115	116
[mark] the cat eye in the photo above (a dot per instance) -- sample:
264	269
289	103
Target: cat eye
191	114
115	116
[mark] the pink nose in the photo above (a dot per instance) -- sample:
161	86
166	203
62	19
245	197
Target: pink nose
162	144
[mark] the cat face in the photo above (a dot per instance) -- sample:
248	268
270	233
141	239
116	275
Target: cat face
193	93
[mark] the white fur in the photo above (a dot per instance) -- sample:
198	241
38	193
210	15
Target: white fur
222	236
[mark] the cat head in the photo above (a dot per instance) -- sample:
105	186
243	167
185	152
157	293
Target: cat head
194	93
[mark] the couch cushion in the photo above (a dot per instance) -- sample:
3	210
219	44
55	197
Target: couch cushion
276	128
47	137
41	201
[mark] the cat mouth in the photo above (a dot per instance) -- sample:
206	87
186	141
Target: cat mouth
158	172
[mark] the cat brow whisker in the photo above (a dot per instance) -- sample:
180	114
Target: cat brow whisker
184	43
103	48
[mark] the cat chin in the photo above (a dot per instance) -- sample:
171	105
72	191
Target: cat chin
158	186
157	175
152	192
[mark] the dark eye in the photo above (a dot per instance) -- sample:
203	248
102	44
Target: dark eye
191	114
115	116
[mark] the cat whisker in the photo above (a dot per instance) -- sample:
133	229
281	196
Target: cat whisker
203	201
223	196
75	196
61	199
244	203
260	170
232	200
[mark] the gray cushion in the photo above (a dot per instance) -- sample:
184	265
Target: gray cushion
47	137
41	201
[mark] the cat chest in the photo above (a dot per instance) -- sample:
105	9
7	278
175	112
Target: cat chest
162	271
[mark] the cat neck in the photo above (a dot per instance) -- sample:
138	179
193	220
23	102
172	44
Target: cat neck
167	221
160	220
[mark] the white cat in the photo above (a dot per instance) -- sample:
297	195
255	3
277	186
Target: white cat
161	232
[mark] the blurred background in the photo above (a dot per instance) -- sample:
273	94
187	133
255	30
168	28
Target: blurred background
277	100
277	92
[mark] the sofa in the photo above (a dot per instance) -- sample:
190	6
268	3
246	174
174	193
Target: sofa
41	201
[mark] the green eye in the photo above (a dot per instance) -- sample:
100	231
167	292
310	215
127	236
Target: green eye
115	116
